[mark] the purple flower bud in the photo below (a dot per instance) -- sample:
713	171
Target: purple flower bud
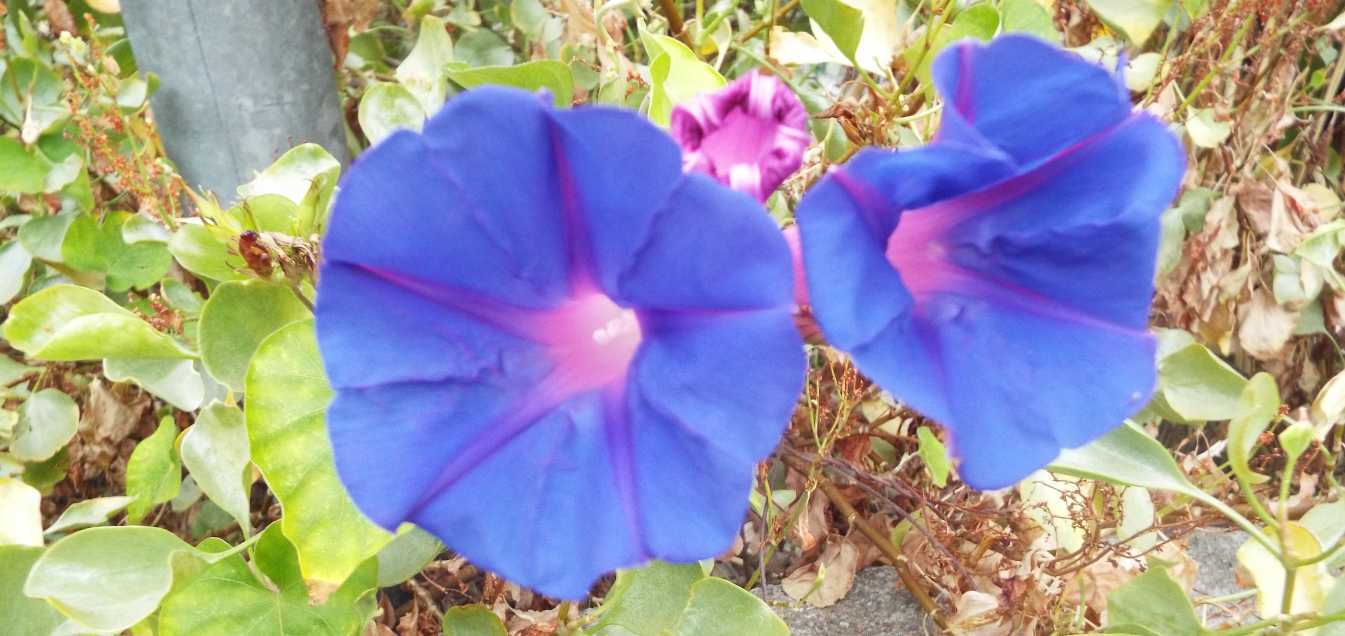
749	135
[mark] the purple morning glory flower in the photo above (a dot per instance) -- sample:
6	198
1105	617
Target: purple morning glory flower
550	346
750	135
999	279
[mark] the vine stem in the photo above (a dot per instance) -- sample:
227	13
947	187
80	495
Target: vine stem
883	544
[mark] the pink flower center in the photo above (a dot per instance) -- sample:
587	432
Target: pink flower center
741	139
917	251
592	341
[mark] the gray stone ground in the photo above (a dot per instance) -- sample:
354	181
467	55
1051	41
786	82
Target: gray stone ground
877	606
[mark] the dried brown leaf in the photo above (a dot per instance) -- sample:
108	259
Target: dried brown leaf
1266	327
828	579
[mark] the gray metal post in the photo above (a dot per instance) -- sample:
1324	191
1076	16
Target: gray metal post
242	81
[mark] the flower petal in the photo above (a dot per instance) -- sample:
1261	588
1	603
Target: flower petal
376	328
460	206
1029	384
697	436
708	248
1024	96
617	172
845	221
1081	230
542	507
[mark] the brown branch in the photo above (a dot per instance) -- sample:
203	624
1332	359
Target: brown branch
883	544
674	16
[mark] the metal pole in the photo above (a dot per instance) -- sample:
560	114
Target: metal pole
242	81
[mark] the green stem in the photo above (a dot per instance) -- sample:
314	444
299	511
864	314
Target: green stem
1204	81
1240	521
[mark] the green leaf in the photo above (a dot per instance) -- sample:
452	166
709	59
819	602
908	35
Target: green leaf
386	108
175	381
1198	386
841	22
236	318
108	578
99	247
21	171
204	251
302	170
934	455
472	620
422	72
1046	502
1128	457
406	555
1135	19
1326	521
139	229
676	75
228	599
1295	440
154	472
31	98
44	235
1311	582
1028	16
649	600
483	47
1335	600
1260	406
23	615
14	264
88	513
531	76
181	297
1140	73
20	513
720	608
529	17
285	410
8	419
215	452
43	475
66	322
1206	131
1155	602
661	599
1137	515
48	420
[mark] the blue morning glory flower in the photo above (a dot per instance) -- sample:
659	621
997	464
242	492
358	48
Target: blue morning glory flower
998	280
549	346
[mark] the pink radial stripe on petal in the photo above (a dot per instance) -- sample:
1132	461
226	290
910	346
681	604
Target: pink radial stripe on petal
749	135
590	339
796	253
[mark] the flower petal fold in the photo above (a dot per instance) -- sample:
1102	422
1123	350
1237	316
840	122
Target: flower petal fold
700	435
1024	97
446	185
